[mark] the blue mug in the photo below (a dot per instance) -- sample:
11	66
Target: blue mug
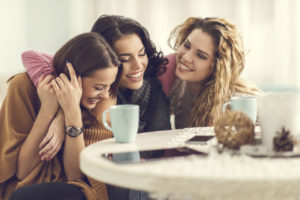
248	105
124	122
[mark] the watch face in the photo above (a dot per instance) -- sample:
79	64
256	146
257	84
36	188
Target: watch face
74	132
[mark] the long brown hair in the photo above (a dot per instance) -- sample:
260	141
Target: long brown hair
229	63
87	52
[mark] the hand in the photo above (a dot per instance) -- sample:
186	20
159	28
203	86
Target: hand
69	94
47	95
52	142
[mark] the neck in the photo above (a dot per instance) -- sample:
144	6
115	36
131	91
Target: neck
194	87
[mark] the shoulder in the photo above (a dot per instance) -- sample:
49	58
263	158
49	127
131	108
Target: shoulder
20	80
21	83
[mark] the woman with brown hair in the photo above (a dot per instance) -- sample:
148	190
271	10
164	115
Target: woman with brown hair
208	62
27	112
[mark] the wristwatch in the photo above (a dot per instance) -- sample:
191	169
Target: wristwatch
73	131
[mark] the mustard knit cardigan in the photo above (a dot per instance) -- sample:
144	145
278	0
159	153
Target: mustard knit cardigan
17	115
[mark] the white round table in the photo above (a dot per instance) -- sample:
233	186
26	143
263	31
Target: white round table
217	176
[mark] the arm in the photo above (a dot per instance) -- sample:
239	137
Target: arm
69	94
38	63
54	138
168	77
29	153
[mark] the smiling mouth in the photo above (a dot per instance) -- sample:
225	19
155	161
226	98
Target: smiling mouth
184	68
138	76
94	101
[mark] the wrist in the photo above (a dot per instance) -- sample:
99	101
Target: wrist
73	120
46	114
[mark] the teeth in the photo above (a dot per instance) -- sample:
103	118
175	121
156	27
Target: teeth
136	75
185	68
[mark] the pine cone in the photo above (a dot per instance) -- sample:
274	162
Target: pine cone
283	141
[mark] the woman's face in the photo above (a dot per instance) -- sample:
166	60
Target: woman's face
96	87
195	57
132	54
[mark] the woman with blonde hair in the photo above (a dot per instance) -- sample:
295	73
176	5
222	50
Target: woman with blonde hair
208	62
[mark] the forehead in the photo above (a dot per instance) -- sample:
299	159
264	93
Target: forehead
128	43
102	76
202	41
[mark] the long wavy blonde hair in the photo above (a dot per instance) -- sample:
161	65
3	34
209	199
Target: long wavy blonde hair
229	61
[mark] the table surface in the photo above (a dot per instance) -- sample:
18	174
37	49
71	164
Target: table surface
216	176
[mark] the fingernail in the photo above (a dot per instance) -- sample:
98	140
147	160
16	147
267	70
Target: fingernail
67	62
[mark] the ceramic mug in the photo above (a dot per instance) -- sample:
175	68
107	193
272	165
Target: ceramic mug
124	122
248	105
277	111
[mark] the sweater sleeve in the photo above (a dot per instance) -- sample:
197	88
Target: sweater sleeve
167	79
17	116
37	63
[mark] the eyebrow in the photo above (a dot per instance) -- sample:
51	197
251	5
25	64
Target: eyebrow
198	50
128	54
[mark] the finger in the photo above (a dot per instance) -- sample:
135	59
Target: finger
72	73
79	82
64	78
55	86
41	78
45	140
53	153
48	79
48	148
60	82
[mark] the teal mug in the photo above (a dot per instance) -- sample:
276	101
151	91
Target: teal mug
124	122
248	105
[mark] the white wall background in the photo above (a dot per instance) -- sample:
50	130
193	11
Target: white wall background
270	29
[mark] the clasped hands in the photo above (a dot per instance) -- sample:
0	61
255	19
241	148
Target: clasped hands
60	97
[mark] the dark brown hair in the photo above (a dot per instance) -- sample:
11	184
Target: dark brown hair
87	52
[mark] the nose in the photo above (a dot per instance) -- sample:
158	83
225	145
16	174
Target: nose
106	93
187	56
136	64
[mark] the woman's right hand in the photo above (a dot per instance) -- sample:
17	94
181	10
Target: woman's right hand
69	93
47	95
52	142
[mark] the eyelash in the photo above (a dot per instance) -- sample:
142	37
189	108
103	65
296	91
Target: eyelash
98	88
126	60
186	45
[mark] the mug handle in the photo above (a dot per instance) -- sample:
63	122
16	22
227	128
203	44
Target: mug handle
224	106
104	120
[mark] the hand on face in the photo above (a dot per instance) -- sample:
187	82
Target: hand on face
68	92
47	95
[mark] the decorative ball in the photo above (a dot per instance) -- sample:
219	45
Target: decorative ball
234	129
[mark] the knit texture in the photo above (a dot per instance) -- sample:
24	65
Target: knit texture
18	113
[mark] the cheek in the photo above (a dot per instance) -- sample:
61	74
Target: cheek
145	61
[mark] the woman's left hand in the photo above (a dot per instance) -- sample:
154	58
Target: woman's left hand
69	93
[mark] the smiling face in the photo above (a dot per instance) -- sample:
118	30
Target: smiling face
195	57
96	87
132	54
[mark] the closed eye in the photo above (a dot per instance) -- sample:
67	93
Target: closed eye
99	88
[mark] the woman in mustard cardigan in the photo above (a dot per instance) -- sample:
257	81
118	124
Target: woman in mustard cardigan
27	112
